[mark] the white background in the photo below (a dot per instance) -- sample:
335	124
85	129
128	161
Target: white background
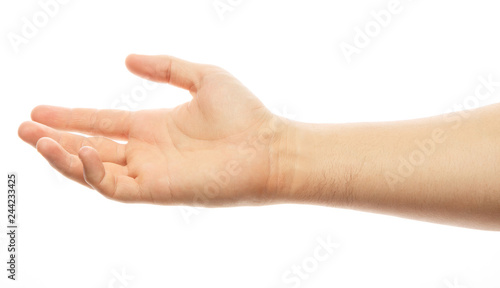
425	61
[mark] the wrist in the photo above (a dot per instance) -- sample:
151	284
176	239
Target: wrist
282	152
315	165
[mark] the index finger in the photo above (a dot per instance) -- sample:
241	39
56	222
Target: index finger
166	69
106	122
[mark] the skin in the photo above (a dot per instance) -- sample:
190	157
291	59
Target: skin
225	148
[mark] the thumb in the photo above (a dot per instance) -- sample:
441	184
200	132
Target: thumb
93	169
166	69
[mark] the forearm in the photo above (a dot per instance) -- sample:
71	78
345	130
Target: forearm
441	169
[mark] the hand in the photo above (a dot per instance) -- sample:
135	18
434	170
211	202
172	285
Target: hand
221	148
225	148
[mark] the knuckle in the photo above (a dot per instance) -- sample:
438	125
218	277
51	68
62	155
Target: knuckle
86	142
93	121
164	70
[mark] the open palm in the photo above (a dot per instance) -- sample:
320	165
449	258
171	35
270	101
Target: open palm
220	148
